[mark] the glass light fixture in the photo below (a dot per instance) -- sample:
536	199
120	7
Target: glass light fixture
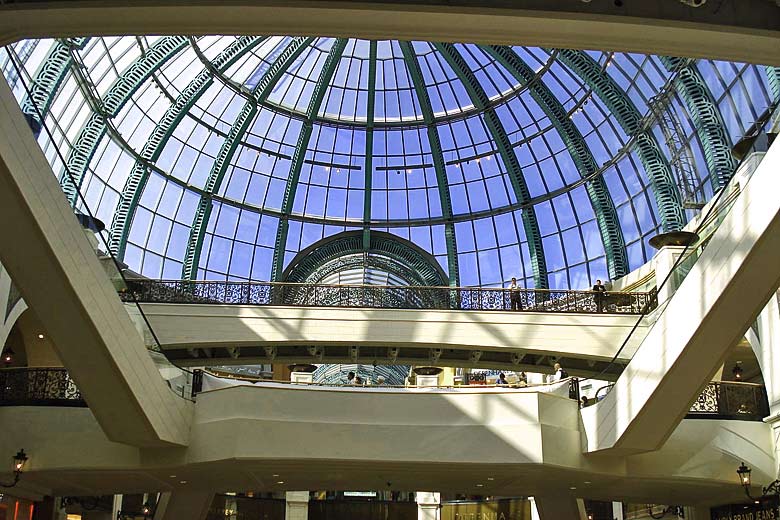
20	459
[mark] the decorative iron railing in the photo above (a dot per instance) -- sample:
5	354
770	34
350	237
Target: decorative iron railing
731	400
721	400
38	387
386	297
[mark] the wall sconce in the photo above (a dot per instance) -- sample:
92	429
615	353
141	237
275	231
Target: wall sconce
8	356
19	461
744	479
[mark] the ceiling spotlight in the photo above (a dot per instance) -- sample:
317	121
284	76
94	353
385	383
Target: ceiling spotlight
275	475
40	336
280	482
572	488
182	482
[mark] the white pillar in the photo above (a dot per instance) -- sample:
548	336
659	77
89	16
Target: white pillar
297	505
766	346
116	507
554	507
765	342
428	505
192	505
617	510
663	260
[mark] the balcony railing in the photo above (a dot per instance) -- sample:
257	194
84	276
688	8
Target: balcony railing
730	400
38	387
722	400
386	297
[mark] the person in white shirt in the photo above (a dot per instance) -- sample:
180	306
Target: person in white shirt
558	374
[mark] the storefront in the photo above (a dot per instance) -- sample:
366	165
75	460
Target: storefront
766	510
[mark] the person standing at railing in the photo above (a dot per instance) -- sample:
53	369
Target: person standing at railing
515	296
502	379
599	295
559	374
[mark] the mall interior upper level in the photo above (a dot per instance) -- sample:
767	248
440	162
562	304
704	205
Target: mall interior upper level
119	383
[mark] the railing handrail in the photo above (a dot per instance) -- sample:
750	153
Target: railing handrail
388	296
712	403
374	286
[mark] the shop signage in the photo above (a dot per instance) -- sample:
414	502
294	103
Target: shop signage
764	511
516	509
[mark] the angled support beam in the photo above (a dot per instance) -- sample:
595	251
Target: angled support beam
706	119
49	76
111	104
598	193
60	277
665	190
136	181
317	96
260	93
480	99
368	169
719	299
438	159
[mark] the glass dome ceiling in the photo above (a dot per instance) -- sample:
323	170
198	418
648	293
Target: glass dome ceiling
223	157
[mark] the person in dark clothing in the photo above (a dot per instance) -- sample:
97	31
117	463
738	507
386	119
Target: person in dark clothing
515	302
501	379
599	295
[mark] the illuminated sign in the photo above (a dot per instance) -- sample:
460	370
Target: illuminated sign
764	511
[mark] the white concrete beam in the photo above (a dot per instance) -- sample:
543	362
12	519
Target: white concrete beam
593	336
744	31
178	505
710	312
554	507
45	251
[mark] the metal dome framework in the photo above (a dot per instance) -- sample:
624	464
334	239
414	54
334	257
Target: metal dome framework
223	157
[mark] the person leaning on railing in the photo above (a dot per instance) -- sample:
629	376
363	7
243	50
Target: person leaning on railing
599	295
515	296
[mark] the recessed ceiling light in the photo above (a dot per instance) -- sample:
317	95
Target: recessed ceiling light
572	488
275	475
587	481
491	478
479	485
280	482
182	482
40	336
171	476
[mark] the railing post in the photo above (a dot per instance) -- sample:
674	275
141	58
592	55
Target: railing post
197	382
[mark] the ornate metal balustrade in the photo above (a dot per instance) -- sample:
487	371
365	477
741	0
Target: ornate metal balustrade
38	387
730	400
383	297
721	400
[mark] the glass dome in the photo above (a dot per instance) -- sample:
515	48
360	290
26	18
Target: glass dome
224	157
